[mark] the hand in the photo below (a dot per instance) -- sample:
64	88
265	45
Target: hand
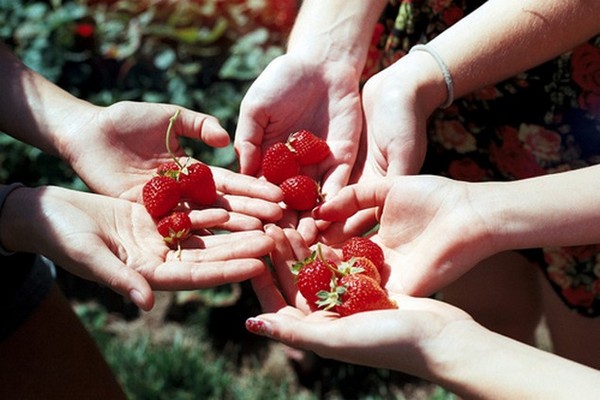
430	230
396	110
401	339
293	94
116	149
115	242
394	339
395	120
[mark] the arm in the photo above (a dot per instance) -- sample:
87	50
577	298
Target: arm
494	42
437	342
445	227
513	36
423	337
115	242
314	86
103	144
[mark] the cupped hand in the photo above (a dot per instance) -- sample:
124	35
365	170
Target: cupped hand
394	139
399	339
430	228
115	242
117	149
293	94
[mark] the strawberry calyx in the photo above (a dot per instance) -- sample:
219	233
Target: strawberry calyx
349	267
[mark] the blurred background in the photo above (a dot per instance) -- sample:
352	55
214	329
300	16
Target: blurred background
201	54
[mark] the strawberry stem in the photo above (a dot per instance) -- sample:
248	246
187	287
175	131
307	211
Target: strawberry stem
168	138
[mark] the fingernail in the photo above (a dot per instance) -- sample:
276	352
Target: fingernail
137	298
258	326
316	212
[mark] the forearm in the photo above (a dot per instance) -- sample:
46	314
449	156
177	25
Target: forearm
512	36
476	363
498	40
335	30
553	210
33	109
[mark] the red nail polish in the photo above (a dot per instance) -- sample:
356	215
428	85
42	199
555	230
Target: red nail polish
316	212
257	326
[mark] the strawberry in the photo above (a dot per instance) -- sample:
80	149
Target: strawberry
314	275
300	192
170	169
363	247
357	293
360	265
198	184
309	148
160	195
175	228
279	163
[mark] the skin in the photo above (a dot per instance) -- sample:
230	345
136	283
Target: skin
423	337
103	144
115	242
115	150
311	88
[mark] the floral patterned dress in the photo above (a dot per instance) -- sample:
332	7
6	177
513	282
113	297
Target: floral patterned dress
542	121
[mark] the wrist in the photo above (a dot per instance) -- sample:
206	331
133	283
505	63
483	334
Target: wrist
417	74
335	31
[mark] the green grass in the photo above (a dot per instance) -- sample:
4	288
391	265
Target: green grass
200	356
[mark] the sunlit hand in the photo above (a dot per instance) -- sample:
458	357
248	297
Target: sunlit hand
394	141
115	242
393	339
116	149
429	229
293	94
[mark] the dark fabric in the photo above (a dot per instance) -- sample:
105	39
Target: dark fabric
26	281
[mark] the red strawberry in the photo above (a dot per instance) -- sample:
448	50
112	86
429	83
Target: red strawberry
198	184
175	228
279	163
170	169
314	275
300	192
160	195
360	265
363	247
309	149
358	293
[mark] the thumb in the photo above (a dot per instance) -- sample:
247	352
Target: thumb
354	198
206	128
121	278
247	143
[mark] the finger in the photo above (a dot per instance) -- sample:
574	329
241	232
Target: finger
308	229
267	292
289	220
119	277
185	275
356	225
240	222
229	182
289	328
201	126
282	258
261	209
248	139
334	181
354	198
208	218
225	247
